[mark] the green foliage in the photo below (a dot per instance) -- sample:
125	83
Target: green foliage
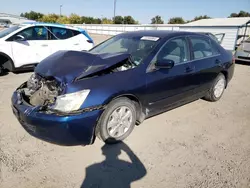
107	21
157	20
201	17
76	19
63	20
32	15
129	20
50	18
176	20
118	20
240	14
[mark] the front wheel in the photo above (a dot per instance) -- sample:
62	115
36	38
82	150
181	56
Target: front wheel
217	89
117	121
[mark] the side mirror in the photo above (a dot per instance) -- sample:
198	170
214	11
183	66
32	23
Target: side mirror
165	64
19	38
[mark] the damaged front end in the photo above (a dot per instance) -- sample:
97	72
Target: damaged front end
41	91
46	88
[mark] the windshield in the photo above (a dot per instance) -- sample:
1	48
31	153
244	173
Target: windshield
5	32
139	47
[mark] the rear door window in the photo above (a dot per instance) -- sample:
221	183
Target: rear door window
201	47
62	33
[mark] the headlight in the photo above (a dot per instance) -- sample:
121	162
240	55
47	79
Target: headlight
70	102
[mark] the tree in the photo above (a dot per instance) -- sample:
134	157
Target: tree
32	15
50	18
201	17
107	21
244	14
118	20
63	20
97	21
240	14
233	15
157	20
74	19
176	20
129	20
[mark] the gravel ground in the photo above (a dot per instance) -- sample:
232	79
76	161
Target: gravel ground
201	144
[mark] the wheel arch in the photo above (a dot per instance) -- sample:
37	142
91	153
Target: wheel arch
9	64
225	73
141	116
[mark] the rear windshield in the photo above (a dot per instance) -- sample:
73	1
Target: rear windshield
8	31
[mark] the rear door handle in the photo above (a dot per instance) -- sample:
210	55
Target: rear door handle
44	45
76	44
217	61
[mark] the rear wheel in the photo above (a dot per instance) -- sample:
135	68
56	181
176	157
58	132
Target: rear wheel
117	121
1	70
6	65
217	89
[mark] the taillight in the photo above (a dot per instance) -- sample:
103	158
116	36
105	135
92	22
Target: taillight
233	60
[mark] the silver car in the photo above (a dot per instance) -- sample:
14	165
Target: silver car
243	51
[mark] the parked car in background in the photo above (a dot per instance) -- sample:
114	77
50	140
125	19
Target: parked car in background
72	97
242	53
24	46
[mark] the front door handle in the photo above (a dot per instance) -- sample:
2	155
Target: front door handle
44	45
189	69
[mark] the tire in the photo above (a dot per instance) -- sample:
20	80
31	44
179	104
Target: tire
2	71
108	117
220	82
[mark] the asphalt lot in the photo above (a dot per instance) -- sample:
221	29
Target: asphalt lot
201	144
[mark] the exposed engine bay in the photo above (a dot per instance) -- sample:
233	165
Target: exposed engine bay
42	91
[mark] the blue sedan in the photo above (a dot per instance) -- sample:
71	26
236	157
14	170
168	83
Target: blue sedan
73	97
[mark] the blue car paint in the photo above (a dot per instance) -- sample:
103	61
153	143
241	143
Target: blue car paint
61	130
84	64
86	34
156	91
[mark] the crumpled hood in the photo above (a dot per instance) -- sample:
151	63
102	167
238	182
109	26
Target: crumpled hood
65	66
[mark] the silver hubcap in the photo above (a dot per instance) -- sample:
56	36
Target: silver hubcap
219	88
119	121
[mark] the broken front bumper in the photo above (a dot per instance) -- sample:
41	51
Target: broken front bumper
77	129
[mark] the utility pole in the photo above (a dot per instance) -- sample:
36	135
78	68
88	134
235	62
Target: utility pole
60	10
114	8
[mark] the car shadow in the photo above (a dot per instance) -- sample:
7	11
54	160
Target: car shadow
114	172
23	71
4	73
242	63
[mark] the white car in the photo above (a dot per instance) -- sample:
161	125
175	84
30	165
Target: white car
24	46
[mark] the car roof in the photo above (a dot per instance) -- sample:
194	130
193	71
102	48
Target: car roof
48	25
157	33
